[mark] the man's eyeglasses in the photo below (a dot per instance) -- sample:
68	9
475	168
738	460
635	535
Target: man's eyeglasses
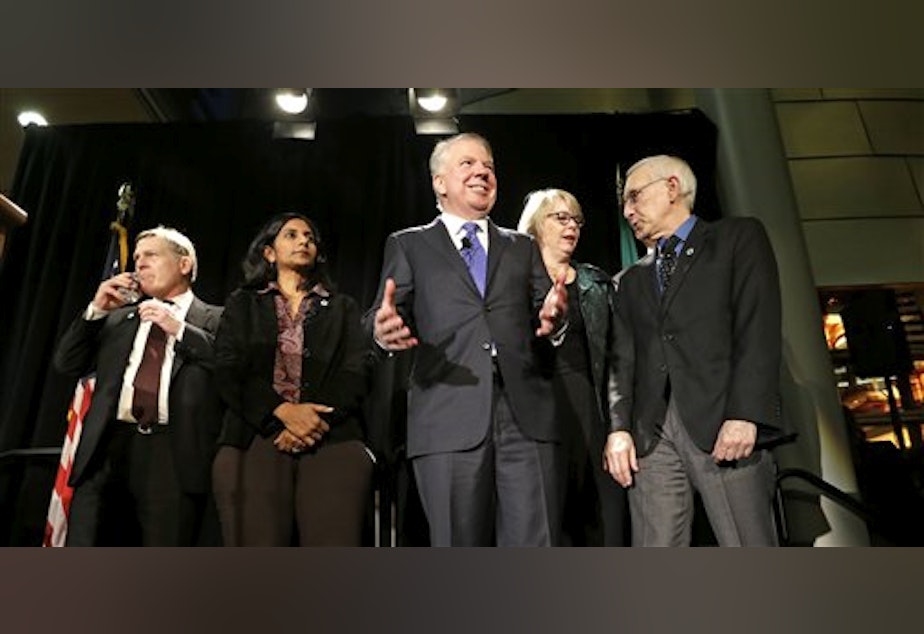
563	217
631	196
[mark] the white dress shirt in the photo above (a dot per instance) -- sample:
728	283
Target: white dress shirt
179	308
454	224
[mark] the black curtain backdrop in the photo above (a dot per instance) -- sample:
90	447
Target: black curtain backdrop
360	179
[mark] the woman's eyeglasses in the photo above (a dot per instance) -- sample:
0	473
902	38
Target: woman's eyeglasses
563	217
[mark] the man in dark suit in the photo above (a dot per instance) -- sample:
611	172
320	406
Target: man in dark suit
141	471
699	339
479	306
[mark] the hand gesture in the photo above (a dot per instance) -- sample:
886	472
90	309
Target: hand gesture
160	313
735	440
303	420
554	308
619	458
115	292
389	329
287	442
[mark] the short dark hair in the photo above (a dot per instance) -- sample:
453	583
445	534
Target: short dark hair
258	272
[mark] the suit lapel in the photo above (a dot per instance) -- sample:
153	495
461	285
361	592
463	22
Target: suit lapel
125	331
497	246
699	237
649	279
437	237
197	316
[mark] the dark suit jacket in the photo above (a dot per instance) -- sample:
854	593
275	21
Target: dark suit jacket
716	335
450	394
104	345
335	365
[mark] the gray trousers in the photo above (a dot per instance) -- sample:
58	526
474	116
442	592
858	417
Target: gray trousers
737	496
506	491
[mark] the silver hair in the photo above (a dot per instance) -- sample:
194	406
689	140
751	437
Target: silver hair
179	243
665	166
438	156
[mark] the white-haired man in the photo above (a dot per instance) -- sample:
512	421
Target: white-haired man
695	405
476	303
141	471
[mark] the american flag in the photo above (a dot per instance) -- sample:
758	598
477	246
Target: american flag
60	504
59	507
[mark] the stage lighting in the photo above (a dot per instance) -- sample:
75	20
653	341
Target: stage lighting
293	100
300	120
30	117
434	110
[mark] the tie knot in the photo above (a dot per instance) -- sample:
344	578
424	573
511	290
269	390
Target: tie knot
668	248
471	229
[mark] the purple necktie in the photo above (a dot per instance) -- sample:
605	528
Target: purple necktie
474	254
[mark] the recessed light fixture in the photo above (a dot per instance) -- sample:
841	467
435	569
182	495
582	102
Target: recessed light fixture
434	110
31	117
292	101
434	102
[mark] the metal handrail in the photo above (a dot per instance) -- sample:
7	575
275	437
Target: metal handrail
828	490
31	452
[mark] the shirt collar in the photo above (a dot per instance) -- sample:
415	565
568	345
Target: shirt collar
682	232
454	223
273	287
181	303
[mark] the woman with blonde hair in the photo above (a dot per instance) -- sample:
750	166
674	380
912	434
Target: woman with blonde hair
595	506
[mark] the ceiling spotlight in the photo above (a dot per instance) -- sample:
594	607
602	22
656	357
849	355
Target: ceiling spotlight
433	103
431	100
434	109
30	117
292	101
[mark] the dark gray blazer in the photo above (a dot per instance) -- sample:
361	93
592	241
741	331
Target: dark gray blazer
103	346
716	335
451	383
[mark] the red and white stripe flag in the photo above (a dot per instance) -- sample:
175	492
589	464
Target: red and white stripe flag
59	507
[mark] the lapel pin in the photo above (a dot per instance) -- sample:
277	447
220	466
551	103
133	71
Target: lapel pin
690	251
324	302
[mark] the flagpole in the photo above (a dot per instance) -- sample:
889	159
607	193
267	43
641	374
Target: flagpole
60	503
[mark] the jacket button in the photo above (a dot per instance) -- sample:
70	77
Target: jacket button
663	367
486	346
668	337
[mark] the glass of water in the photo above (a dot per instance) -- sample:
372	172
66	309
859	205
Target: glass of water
132	293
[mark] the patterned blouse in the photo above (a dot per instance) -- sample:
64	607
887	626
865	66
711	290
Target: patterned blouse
290	342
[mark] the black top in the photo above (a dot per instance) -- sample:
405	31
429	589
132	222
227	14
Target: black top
572	353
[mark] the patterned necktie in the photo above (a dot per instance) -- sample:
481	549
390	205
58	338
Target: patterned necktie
667	262
474	255
147	381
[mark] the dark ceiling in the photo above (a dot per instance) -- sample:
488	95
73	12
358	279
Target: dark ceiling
228	104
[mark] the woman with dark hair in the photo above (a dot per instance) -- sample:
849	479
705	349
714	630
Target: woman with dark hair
595	511
291	366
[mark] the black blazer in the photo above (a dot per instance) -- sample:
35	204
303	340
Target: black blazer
597	301
451	383
104	345
335	365
716	335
